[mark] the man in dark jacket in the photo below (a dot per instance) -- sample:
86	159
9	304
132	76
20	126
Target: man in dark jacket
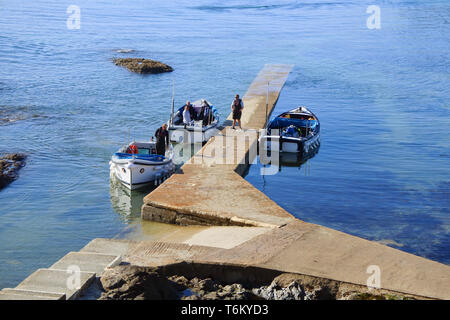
236	106
162	139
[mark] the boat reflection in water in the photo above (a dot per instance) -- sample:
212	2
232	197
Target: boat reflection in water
297	159
292	160
127	203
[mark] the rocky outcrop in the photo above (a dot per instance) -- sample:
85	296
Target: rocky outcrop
208	289
288	286
10	164
138	283
131	282
127	282
140	65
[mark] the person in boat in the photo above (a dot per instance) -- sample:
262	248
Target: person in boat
162	139
236	106
204	113
186	116
190	108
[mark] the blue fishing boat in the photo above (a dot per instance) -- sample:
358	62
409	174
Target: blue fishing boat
297	130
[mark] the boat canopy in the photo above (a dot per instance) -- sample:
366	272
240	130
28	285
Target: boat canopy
197	106
279	123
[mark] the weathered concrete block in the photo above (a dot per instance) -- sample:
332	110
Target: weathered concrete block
116	247
57	281
152	213
87	261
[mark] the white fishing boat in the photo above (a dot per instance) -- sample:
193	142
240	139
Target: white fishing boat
297	130
137	165
200	129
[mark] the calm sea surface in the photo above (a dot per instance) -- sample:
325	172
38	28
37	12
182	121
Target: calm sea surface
382	96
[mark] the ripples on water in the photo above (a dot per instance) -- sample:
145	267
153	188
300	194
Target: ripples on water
381	96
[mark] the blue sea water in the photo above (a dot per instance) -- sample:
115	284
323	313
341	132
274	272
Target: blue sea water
382	96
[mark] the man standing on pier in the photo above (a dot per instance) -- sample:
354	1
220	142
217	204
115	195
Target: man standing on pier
162	140
236	106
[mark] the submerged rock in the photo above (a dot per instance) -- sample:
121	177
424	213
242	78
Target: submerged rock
10	114
124	50
10	164
140	65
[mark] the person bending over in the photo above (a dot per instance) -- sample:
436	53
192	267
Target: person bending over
162	139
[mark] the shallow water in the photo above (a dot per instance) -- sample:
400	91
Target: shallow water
382	171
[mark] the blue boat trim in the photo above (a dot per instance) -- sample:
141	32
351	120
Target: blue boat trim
150	157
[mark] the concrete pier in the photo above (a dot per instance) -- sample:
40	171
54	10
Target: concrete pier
222	197
246	236
210	191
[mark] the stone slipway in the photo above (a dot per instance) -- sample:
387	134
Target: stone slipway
298	248
207	192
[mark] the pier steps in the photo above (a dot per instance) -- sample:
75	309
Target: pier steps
20	294
87	261
57	282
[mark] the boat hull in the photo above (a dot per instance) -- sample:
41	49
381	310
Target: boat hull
303	139
293	145
137	175
191	134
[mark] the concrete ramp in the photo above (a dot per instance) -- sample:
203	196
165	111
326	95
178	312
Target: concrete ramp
302	249
211	196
